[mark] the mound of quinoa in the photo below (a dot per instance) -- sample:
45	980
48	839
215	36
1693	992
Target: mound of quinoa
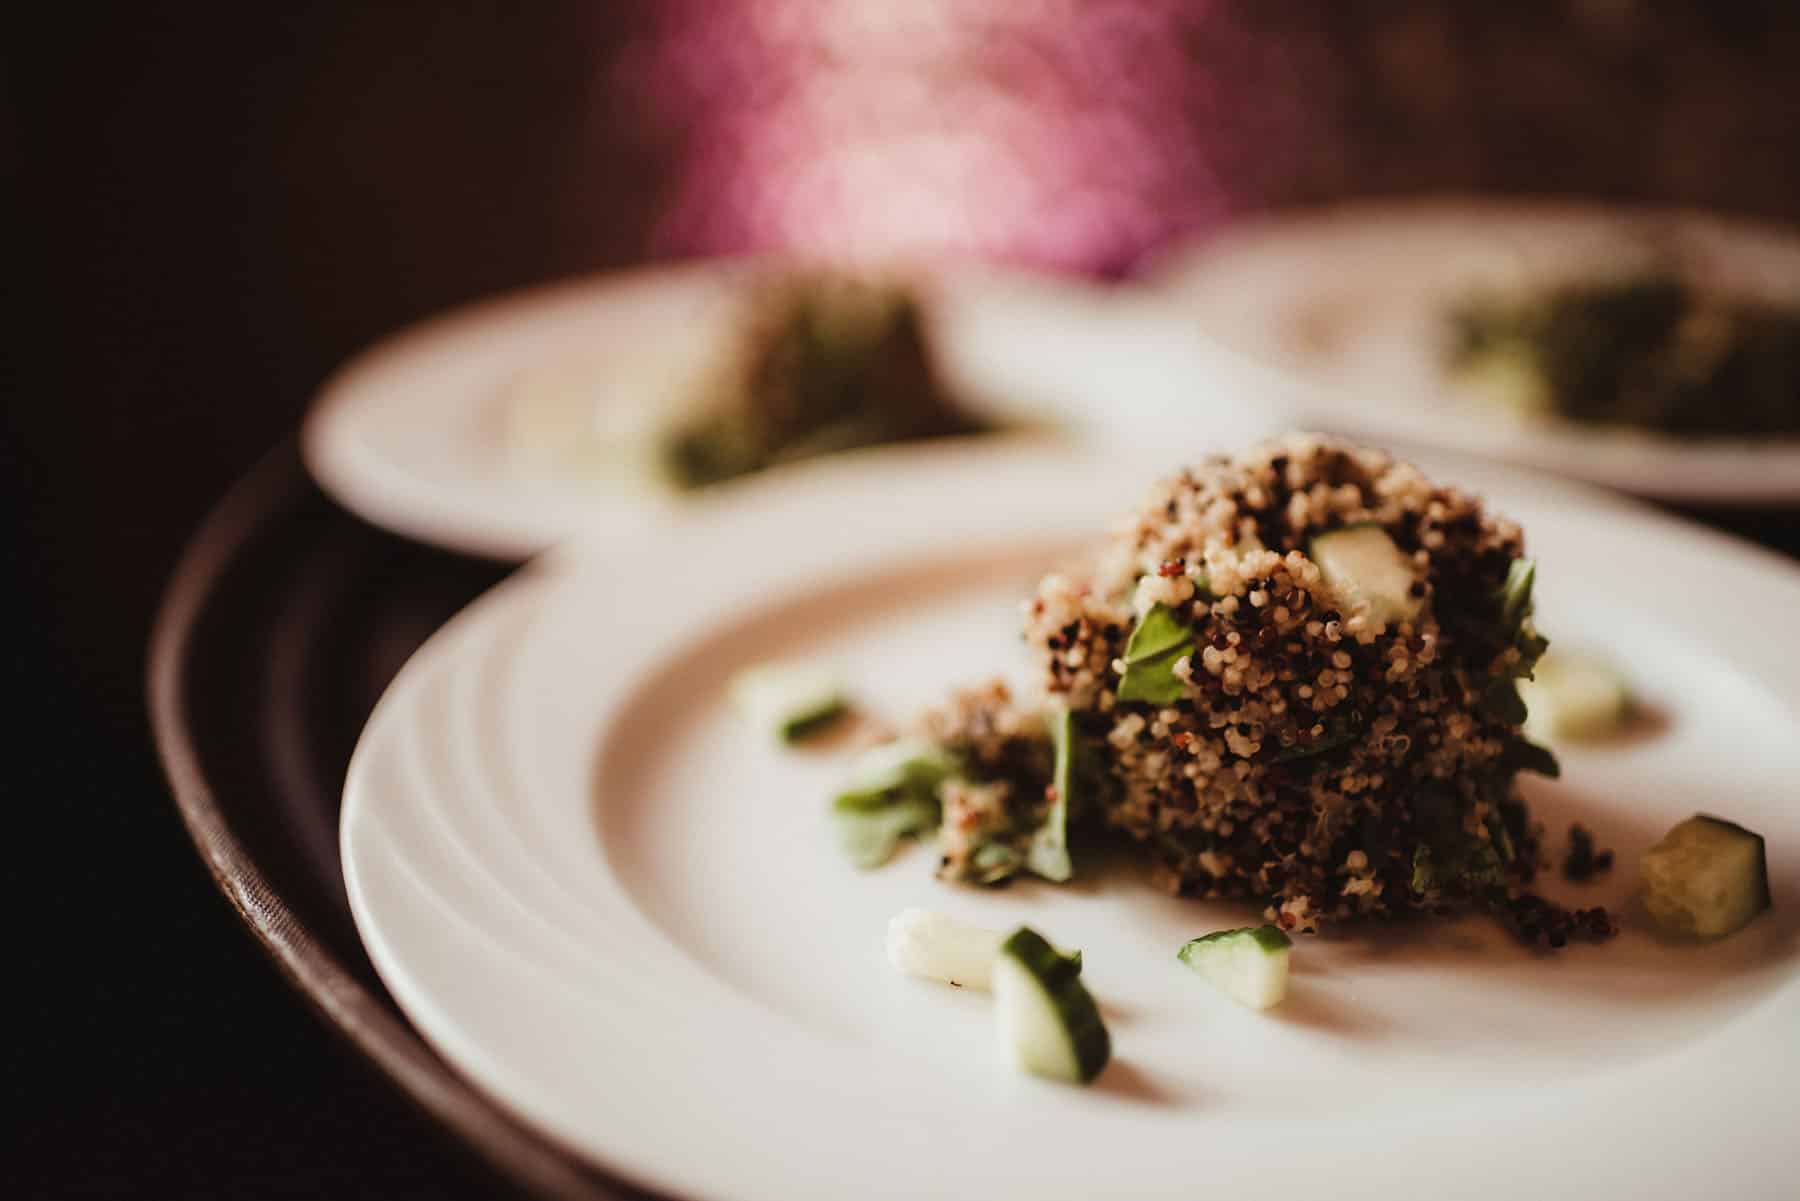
1319	760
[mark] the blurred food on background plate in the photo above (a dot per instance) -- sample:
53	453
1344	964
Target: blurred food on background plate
803	362
1655	349
1572	318
592	407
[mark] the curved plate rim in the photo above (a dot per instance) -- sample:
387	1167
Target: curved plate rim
513	1149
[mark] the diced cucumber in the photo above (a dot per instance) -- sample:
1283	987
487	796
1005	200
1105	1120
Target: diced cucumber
910	765
792	699
892	794
1574	696
869	836
1047	1021
992	862
1249	965
922	943
1363	566
1707	877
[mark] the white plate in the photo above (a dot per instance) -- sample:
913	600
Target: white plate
1350	302
622	913
412	434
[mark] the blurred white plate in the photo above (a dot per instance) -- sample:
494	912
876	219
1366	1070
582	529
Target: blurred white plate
419	434
1348	302
623	914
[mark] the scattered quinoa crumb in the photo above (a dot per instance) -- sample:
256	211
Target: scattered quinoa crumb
1582	862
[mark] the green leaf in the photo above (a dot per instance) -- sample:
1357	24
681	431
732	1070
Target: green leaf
1515	593
1515	618
892	795
1159	640
910	766
1154	680
870	835
1157	631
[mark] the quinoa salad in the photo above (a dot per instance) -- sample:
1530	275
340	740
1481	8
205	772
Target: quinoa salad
1289	678
799	362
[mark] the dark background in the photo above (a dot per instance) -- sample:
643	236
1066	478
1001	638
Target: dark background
214	205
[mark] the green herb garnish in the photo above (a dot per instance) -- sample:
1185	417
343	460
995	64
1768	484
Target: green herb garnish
1515	593
1514	599
1047	854
1158	641
1500	698
869	836
892	795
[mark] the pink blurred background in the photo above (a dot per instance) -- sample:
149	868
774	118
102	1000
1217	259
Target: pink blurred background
222	202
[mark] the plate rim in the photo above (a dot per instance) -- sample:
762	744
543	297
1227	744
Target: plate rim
341	463
513	1149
